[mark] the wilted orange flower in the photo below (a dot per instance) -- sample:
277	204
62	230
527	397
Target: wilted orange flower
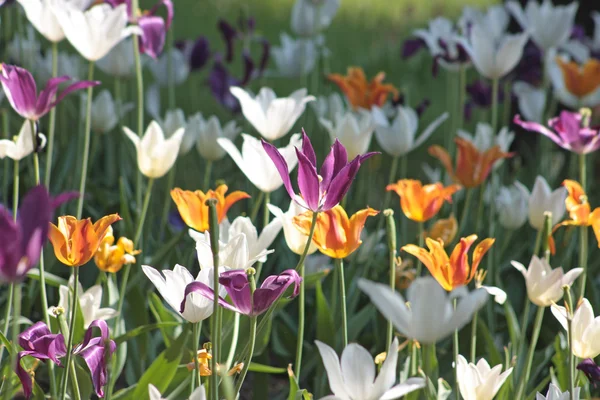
579	209
203	364
111	257
335	235
76	241
360	92
444	229
454	271
472	166
194	212
580	80
422	202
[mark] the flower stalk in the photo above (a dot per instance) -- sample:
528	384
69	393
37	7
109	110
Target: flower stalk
196	327
86	142
537	325
64	328
569	306
583	239
139	79
301	318
392	246
214	321
339	265
52	127
74	307
252	340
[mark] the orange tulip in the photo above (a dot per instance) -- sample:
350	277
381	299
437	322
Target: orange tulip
443	229
111	257
579	210
76	241
194	212
454	271
335	235
421	203
472	166
580	80
204	358
360	92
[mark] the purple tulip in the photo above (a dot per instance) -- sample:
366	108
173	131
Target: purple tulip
567	131
219	82
37	341
590	369
229	35
530	68
461	56
21	91
196	51
324	190
412	46
95	351
21	241
237	285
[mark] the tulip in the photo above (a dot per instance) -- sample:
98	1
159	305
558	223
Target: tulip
173	121
197	52
179	71
294	238
120	61
422	202
96	31
171	286
327	107
576	85
398	139
336	235
353	130
21	91
75	241
194	211
209	132
41	15
320	192
444	229
554	393
591	370
479	381
353	377
198	394
310	17
431	315
24	238
472	166
204	358
579	210
245	300
155	155
362	93
544	284
454	271
271	116
23	144
548	25
584	327
106	113
484	139
294	57
512	205
532	100
255	161
543	200
110	257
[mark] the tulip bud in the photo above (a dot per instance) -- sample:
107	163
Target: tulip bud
512	205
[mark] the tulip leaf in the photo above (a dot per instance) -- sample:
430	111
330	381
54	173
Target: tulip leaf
163	252
265	369
294	387
51	279
561	360
84	382
124	209
6	343
483	332
144	329
360	320
303	394
162	315
325	327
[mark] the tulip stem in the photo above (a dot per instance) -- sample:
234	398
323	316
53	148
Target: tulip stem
301	313
72	321
207	174
252	342
462	83
583	241
455	351
430	368
234	340
86	143
267	199
215	328
465	212
138	232
256	206
9	299
64	328
421	244
167	200
539	316
569	307
15	333
339	265
195	338
15	190
391	234
495	84
139	78
473	337
52	127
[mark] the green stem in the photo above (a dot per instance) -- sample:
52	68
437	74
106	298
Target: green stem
583	241
138	232
339	265
421	243
455	353
429	367
234	340
207	174
15	189
480	207
465	212
539	316
473	337
538	242
256	206
86	143
462	86
215	328
524	323
167	199
9	299
195	338
252	342
301	311
15	335
569	304
392	249
52	127
72	321
64	328
495	84
139	78
265	223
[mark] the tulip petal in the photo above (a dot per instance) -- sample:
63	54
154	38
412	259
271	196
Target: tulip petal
308	181
281	166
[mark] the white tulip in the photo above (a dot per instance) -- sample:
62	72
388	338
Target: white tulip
554	393
585	329
499	295
155	155
198	394
495	19
208	132
105	112
180	69
23	144
171	286
256	164
561	92
353	130
310	17
257	245
544	284
442	30
295	239
479	382
96	31
120	61
294	58
327	107
431	315
272	116
532	101
398	139
353	376
512	205
484	139
542	200
175	120
548	25
41	15
89	303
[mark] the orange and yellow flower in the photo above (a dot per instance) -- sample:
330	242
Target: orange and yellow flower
194	211
582	80
335	235
111	257
75	241
579	210
204	358
444	229
472	166
454	271
422	202
362	93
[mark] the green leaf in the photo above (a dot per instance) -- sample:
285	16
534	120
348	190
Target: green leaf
266	369
294	387
163	315
124	393
51	279
84	382
311	280
5	343
325	327
561	360
143	329
483	332
124	209
359	321
303	394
